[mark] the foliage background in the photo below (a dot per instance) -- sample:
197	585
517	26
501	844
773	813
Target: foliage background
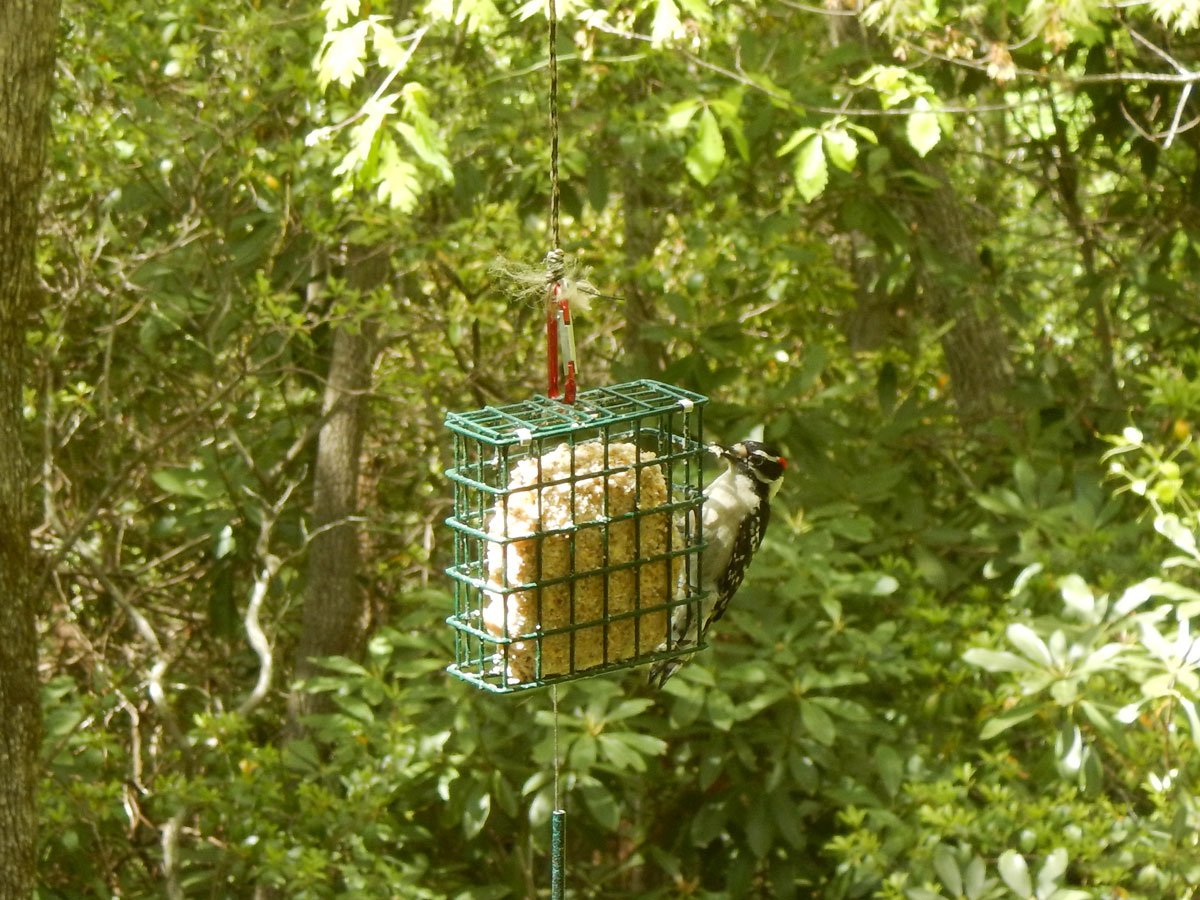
946	257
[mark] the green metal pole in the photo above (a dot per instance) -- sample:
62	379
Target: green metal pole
558	830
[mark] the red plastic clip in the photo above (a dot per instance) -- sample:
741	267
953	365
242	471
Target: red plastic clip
560	345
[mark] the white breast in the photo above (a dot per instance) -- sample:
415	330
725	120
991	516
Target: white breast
729	499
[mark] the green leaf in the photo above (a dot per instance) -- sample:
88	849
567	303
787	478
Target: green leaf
680	114
1025	477
759	829
601	804
890	767
787	819
645	744
733	124
817	722
620	754
811	172
708	821
343	665
583	752
182	482
797	138
1189	710
975	878
1006	720
355	708
427	147
398	184
1052	870
301	756
627	709
841	148
1015	872
946	867
923	130
707	154
997	660
476	810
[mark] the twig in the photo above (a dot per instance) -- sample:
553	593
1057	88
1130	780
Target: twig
170	853
1174	129
262	583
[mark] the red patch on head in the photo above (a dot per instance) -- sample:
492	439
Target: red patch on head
782	463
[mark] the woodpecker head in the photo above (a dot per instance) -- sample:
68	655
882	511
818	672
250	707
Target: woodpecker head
758	461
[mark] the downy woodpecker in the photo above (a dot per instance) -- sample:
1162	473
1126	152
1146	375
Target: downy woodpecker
737	508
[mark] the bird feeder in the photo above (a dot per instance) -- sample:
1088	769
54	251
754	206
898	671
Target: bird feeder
576	533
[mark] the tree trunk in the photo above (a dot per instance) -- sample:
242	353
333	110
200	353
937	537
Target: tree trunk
958	292
335	612
28	33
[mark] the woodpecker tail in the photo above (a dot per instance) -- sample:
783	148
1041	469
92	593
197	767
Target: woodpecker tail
662	670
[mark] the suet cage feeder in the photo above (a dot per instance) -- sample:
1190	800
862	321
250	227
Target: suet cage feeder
577	533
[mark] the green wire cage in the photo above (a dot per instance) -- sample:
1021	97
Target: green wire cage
577	533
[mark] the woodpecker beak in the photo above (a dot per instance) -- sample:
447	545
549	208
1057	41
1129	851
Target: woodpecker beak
732	453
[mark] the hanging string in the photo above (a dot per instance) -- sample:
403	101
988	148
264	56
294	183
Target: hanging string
552	15
555	262
561	365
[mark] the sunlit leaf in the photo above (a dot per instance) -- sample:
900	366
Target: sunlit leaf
339	11
1181	15
797	138
341	58
667	25
707	153
811	172
840	148
679	115
398	183
1078	597
388	51
923	130
1026	640
1172	528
